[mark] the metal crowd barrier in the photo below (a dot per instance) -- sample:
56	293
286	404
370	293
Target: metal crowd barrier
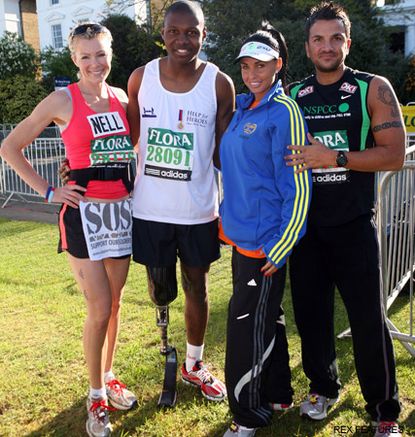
395	219
46	155
396	227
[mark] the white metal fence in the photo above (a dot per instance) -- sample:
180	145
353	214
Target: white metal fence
395	218
46	155
396	227
410	140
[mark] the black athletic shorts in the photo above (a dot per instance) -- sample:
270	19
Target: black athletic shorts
158	244
71	234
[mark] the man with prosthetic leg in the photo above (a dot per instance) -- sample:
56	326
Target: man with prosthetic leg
178	108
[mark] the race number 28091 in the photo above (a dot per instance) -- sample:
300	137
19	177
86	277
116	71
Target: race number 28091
168	155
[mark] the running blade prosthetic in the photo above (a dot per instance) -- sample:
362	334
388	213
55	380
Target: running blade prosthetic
169	394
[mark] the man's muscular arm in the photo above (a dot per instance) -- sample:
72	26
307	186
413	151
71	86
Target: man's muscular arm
225	94
133	109
387	128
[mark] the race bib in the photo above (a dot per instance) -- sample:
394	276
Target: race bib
169	154
334	140
108	150
107	228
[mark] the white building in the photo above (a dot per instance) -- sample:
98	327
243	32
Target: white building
57	17
52	20
9	16
402	15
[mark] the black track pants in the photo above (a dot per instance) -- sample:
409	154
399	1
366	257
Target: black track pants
257	370
346	257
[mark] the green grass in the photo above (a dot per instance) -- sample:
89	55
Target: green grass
43	376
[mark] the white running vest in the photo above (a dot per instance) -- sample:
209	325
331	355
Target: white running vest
175	180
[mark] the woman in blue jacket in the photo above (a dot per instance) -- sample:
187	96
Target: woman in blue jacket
263	215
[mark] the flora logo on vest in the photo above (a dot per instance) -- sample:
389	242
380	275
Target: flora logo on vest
336	140
166	137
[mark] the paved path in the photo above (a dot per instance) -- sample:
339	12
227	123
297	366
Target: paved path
30	211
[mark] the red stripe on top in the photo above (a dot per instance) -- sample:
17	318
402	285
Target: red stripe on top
62	229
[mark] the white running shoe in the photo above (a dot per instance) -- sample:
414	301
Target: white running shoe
119	396
98	423
236	430
315	407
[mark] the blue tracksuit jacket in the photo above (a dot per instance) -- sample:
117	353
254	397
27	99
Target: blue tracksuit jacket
265	203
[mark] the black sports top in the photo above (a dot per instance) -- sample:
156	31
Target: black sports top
337	115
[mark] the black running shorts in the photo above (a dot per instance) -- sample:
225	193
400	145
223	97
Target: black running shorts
71	234
158	244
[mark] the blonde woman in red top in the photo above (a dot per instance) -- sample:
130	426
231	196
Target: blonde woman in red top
95	218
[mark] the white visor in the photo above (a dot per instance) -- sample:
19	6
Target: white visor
257	50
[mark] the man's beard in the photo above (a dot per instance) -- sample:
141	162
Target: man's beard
329	68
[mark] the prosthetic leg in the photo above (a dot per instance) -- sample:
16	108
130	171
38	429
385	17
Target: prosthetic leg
162	286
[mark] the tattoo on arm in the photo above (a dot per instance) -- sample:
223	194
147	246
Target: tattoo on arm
81	274
386	96
386	125
86	295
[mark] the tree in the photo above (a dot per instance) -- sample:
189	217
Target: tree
19	89
18	96
231	22
16	57
157	14
228	23
132	47
409	82
56	63
156	9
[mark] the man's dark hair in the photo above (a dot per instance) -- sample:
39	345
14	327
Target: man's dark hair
327	11
186	7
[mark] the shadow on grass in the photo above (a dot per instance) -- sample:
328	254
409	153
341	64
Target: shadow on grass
67	423
71	421
187	398
71	288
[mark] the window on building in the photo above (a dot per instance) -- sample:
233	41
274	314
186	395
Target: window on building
395	37
54	2
397	41
57	40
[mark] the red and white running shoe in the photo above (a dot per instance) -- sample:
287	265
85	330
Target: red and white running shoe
387	429
199	376
281	407
119	396
98	423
